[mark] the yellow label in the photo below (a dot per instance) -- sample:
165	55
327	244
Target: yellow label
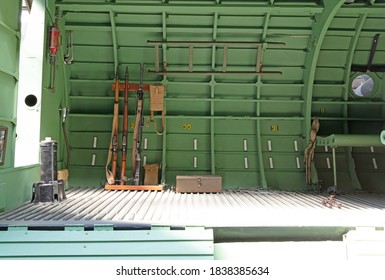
322	110
187	126
274	128
132	125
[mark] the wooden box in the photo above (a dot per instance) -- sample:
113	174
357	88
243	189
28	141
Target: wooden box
199	184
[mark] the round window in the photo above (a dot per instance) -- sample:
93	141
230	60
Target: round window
363	85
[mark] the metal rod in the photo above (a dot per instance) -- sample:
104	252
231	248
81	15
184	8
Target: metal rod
207	73
213	43
334	168
157	58
224	66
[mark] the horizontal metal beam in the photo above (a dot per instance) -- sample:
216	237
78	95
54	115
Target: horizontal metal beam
216	73
209	9
350	140
212	43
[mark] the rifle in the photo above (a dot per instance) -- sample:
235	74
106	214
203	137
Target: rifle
137	139
125	130
113	150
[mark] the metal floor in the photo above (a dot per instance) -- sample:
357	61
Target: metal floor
238	208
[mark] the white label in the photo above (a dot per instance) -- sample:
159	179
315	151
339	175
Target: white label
246	162
93	160
245	145
271	163
195	162
145	143
95	143
195	144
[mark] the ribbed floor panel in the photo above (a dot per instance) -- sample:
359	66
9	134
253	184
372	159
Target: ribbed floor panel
240	208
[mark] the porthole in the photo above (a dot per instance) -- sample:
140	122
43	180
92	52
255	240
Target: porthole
363	85
30	100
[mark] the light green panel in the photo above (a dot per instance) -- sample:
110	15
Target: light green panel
138	19
282	161
328	109
328	91
364	43
185	142
275	90
191	107
86	139
285	127
16	185
236	161
136	56
10	14
185	161
362	57
101	54
91	88
237	127
330	75
90	123
239	90
289	74
91	37
186	125
332	58
83	18
235	143
283	144
233	21
283	57
8	86
235	108
82	71
290	22
343	23
336	43
280	109
9	53
188	90
193	244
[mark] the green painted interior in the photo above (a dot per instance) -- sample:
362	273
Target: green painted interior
15	184
308	45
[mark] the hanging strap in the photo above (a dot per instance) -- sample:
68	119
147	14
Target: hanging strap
157	105
109	175
309	151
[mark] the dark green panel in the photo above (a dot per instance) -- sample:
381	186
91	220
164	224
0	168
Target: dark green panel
280	109
100	71
328	91
233	21
343	23
239	179
289	180
329	75
274	90
290	22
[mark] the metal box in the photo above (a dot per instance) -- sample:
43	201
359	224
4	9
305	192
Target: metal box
199	184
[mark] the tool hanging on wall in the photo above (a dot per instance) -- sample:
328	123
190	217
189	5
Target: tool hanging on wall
54	44
69	56
123	178
137	138
157	105
309	151
113	149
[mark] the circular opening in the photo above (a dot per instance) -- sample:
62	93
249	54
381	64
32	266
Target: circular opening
363	85
30	100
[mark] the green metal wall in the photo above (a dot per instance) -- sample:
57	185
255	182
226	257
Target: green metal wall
221	110
15	184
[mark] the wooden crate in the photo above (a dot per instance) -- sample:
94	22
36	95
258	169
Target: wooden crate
199	184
